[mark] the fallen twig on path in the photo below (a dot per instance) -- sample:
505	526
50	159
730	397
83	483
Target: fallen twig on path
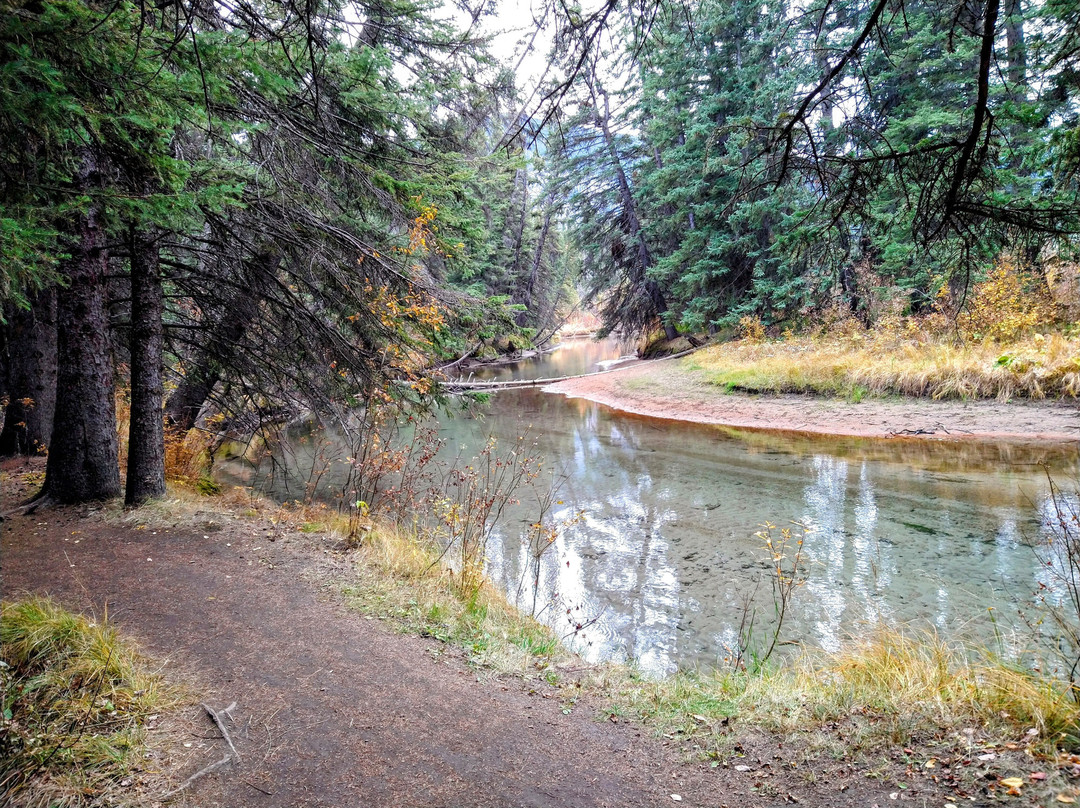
221	726
233	755
263	790
196	776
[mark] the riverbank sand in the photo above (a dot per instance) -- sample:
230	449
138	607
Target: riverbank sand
669	389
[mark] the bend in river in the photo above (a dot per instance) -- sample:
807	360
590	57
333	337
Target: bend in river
659	556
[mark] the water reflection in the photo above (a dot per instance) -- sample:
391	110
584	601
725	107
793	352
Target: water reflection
666	553
663	561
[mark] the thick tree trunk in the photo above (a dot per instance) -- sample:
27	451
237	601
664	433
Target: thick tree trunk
223	338
5	364
31	376
83	463
146	435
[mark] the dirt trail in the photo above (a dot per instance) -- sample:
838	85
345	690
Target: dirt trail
666	389
336	710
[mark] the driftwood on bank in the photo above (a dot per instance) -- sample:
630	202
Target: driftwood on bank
460	359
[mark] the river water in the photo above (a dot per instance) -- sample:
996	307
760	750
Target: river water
658	556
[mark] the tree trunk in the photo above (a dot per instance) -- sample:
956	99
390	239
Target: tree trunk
652	288
529	289
31	376
223	337
521	188
146	435
83	464
5	363
1016	72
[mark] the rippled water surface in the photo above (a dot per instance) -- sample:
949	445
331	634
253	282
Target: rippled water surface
658	558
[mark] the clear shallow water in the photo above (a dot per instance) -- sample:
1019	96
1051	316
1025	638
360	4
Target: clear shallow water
666	554
663	557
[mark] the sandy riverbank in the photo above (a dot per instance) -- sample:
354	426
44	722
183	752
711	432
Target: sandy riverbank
668	389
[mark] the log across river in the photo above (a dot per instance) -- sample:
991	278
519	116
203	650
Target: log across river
466	384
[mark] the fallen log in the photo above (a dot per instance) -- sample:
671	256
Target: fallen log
455	387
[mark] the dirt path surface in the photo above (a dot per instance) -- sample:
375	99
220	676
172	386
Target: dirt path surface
332	709
337	710
666	389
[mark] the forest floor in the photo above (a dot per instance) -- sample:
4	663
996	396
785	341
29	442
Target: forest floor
669	389
334	708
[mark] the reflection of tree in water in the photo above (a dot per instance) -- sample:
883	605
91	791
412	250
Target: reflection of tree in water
667	544
666	547
621	556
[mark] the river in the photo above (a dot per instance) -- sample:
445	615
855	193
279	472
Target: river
659	556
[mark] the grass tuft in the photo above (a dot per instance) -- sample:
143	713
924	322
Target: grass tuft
403	580
75	699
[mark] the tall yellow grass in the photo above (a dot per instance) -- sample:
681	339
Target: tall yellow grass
883	363
402	578
895	687
76	700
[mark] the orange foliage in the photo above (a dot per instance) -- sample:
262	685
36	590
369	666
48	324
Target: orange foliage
1010	302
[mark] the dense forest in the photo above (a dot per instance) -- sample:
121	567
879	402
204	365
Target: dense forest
263	208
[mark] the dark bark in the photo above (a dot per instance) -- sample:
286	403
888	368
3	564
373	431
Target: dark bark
223	338
849	288
31	376
146	435
4	362
529	289
521	189
786	133
83	463
640	268
964	170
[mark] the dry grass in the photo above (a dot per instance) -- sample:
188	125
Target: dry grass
855	363
893	689
402	579
920	682
76	702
